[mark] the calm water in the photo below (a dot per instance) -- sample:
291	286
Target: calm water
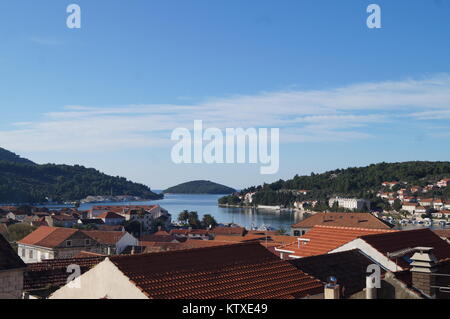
207	204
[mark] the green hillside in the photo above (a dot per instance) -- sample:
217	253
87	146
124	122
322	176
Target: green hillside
200	187
22	181
361	182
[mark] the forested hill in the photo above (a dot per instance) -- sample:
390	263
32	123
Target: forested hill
6	155
360	182
22	182
200	187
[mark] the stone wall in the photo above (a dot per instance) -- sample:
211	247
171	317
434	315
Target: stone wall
11	284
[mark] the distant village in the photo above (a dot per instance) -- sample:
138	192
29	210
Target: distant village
403	204
96	254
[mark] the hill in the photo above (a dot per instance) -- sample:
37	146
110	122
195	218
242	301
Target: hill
22	181
361	182
200	187
8	156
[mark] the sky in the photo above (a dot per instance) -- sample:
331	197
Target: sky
109	95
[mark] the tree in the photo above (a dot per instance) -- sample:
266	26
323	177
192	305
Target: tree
194	221
208	221
183	217
19	231
397	205
133	227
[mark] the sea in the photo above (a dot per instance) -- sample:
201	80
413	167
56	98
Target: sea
207	204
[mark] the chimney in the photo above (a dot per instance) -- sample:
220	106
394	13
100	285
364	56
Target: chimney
332	289
424	266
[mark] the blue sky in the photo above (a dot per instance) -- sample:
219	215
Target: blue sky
109	94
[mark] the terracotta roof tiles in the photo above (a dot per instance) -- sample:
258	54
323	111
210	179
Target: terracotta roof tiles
46	236
238	271
323	239
359	220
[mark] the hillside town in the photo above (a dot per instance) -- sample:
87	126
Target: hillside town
99	254
398	202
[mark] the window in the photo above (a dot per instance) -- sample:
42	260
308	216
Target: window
23	252
87	242
31	254
69	243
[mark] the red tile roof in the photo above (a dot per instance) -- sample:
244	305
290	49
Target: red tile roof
348	267
160	238
359	220
111	215
86	254
105	237
53	273
238	271
323	239
393	242
123	209
49	237
161	233
64	217
238	231
443	233
170	246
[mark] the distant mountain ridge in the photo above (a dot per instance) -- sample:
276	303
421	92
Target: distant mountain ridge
22	181
200	187
8	156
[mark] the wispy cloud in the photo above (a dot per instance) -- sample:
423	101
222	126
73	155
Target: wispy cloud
337	114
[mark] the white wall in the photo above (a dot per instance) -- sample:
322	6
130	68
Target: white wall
126	240
104	280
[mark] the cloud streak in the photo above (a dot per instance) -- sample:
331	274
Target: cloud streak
329	115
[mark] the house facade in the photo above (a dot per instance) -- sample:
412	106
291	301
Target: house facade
55	243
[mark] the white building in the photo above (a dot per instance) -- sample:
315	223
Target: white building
443	183
410	207
350	203
248	198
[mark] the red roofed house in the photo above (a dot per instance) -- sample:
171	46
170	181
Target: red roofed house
393	250
112	242
240	271
61	220
111	218
323	239
54	243
444	214
358	220
426	202
143	214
